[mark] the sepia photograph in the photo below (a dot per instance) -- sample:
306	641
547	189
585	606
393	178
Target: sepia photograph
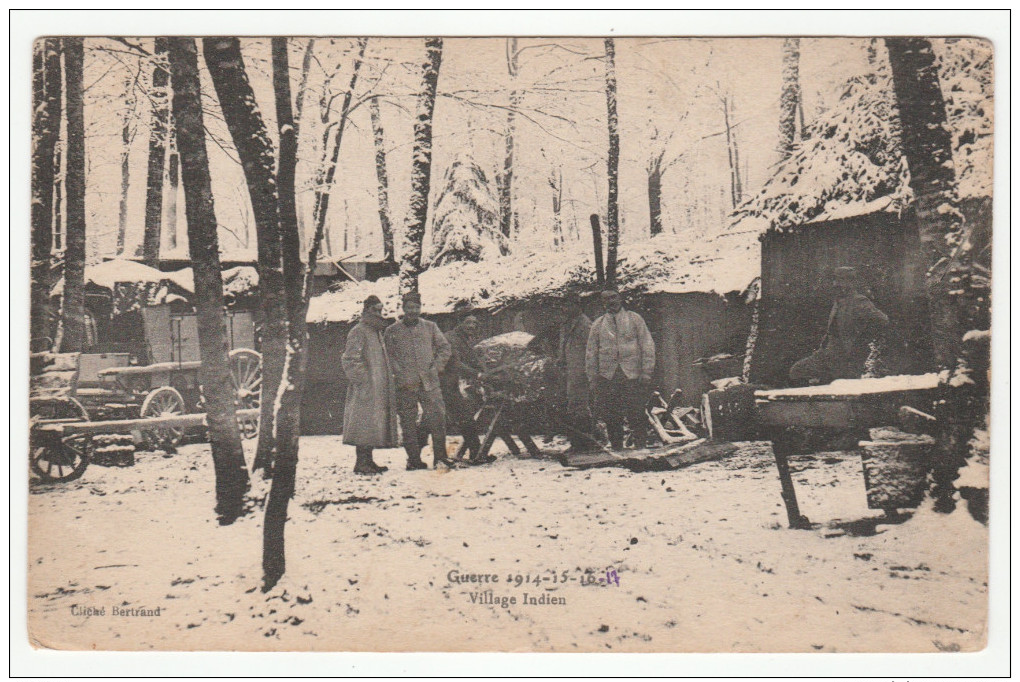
571	344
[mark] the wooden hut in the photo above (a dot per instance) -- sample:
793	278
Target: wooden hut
842	198
693	297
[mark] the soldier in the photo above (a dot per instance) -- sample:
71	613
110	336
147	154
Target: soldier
619	362
370	410
573	333
464	364
854	322
418	353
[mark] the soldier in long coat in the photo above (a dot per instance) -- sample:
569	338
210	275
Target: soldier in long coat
573	344
370	411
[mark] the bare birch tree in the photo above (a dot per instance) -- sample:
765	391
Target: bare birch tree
290	391
157	154
417	214
203	243
789	98
258	159
507	217
127	136
957	301
46	101
379	138
327	172
73	305
613	164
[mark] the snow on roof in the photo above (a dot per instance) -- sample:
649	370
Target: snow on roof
664	264
851	162
237	281
108	274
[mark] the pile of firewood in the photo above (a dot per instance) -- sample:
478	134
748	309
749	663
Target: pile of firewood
515	372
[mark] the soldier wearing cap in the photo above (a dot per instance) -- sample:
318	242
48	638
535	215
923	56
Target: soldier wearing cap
463	365
854	322
619	362
418	353
370	410
573	345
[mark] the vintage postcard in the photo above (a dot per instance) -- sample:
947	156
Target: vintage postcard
510	344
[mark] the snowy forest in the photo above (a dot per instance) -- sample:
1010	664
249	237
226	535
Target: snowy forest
255	162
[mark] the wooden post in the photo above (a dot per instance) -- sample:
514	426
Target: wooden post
596	238
782	447
490	434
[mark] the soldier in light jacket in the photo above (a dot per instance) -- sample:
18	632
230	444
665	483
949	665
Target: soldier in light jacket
418	353
619	362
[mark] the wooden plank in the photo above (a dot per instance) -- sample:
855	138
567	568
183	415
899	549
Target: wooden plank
490	434
822	414
588	460
125	425
151	369
529	445
700	451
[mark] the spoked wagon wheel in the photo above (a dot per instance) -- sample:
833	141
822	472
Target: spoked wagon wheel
165	401
246	375
56	457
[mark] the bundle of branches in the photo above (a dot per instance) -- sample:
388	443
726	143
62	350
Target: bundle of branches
516	371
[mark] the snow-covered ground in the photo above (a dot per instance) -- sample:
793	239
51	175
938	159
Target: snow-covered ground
703	557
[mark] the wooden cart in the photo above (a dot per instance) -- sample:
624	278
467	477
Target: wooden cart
155	403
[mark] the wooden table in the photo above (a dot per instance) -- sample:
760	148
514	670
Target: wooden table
845	405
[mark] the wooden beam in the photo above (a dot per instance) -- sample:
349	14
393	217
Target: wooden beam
181	421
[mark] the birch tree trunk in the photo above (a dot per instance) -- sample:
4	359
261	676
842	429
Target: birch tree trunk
299	104
324	182
258	159
157	154
417	214
126	137
73	306
59	230
173	174
506	178
956	302
736	189
556	184
288	398
613	212
46	99
203	244
654	172
789	98
378	135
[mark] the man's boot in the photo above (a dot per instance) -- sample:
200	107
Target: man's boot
439	456
414	462
363	463
379	468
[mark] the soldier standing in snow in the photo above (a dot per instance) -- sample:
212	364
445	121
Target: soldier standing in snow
573	346
418	353
463	364
619	361
854	322
370	410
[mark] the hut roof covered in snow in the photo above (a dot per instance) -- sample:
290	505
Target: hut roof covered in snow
851	162
663	264
133	284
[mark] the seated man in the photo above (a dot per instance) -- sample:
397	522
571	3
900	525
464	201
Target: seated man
853	323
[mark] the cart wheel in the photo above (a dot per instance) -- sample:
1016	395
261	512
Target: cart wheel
165	401
246	375
54	457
